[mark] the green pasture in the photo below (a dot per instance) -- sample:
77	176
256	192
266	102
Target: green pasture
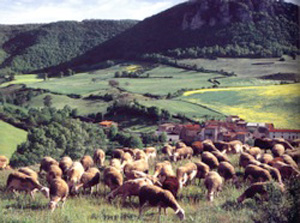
10	138
23	79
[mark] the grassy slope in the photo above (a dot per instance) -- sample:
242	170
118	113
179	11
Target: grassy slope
10	137
23	79
96	208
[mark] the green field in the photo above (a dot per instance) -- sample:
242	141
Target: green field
278	104
10	138
23	79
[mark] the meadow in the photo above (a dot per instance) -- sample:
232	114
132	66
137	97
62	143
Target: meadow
10	138
23	79
278	104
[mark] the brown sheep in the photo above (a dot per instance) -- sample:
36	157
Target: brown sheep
257	174
289	160
213	183
278	150
46	163
74	174
168	150
209	146
275	173
156	196
266	158
255	152
127	158
53	172
287	171
255	188
29	172
65	163
182	153
197	147
4	162
186	173
245	158
295	154
140	154
202	170
112	178
129	188
210	160
116	163
99	157
89	179
117	153
171	183
59	191
87	162
129	150
18	181
180	145
227	171
150	152
163	170
220	156
139	165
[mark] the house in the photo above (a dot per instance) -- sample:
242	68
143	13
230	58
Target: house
172	129
287	134
108	124
189	133
258	129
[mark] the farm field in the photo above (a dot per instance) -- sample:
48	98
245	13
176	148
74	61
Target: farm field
84	107
246	67
278	104
23	79
10	138
96	208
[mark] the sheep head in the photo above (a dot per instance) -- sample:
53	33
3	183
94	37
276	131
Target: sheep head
45	191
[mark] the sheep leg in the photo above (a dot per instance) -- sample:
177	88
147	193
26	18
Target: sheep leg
32	194
63	202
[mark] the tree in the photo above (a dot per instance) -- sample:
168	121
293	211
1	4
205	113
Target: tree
47	101
163	138
113	131
135	142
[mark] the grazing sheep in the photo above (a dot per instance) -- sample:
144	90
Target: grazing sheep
254	162
117	153
182	153
171	183
275	173
156	196
202	170
209	146
180	145
289	160
18	181
163	170
287	171
255	188
213	183
255	152
65	163
168	150
46	163
139	165
4	161
150	152
140	155
197	147
227	171
221	146
210	160
116	163
53	172
129	188
87	162
278	150
89	179
127	158
129	150
266	158
295	154
235	146
220	156
99	157
112	178
186	173
29	172
245	158
74	174
257	174
59	191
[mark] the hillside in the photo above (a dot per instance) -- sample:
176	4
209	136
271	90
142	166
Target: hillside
32	47
253	28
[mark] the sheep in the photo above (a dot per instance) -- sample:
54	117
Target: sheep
255	188
129	150
4	161
210	160
213	183
295	154
278	150
179	145
182	153
163	170
255	152
275	173
99	157
87	162
53	172
235	147
46	163
140	154
208	146
221	156
112	177
18	181
245	158
289	160
129	188
220	145
126	158
257	173
74	174
89	179
172	184
227	171
116	163
156	196
168	150
117	153
65	163
287	171
202	170
186	173
29	172
59	191
266	158
150	152
197	147
139	165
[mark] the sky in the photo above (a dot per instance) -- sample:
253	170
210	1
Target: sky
45	11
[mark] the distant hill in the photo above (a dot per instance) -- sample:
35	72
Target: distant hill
253	27
26	48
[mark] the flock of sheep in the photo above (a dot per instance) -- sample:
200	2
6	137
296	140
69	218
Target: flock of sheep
128	175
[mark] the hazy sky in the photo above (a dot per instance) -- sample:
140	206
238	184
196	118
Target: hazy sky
44	11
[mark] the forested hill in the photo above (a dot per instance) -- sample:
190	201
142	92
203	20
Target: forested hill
257	27
26	48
